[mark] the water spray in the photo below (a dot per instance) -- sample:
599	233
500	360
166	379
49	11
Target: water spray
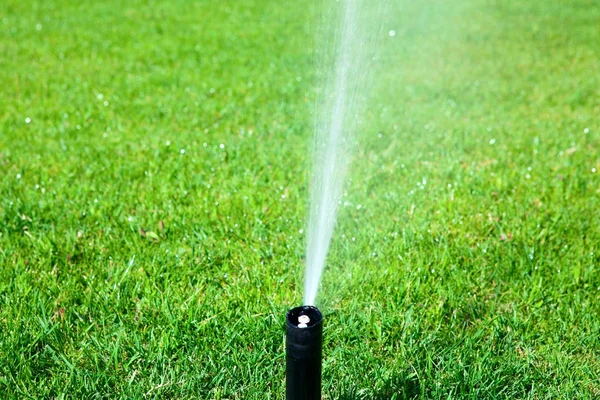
304	339
337	118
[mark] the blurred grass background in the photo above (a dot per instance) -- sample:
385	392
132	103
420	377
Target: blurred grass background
154	176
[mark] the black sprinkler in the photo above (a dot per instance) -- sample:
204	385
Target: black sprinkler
304	338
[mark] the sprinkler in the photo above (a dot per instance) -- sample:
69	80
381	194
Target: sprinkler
304	338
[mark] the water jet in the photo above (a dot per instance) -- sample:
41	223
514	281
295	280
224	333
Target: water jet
346	72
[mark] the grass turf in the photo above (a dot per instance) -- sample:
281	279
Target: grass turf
154	178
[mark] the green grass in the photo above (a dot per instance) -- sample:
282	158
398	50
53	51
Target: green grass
131	270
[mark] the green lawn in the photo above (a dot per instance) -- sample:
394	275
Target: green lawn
154	178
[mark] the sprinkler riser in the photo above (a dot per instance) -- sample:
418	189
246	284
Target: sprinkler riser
303	353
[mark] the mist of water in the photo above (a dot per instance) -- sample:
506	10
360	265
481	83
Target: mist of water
345	59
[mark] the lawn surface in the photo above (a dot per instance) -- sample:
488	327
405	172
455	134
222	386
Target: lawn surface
154	177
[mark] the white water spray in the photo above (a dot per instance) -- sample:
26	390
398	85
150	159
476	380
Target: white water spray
337	119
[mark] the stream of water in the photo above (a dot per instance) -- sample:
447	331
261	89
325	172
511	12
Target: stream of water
345	63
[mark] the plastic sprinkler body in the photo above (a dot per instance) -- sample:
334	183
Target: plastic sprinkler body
304	339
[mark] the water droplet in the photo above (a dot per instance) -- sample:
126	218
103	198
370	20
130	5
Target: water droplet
392	33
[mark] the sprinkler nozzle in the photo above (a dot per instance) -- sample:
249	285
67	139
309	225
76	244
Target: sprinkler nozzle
304	338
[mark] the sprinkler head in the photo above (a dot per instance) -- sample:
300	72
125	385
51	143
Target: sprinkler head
304	338
303	321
